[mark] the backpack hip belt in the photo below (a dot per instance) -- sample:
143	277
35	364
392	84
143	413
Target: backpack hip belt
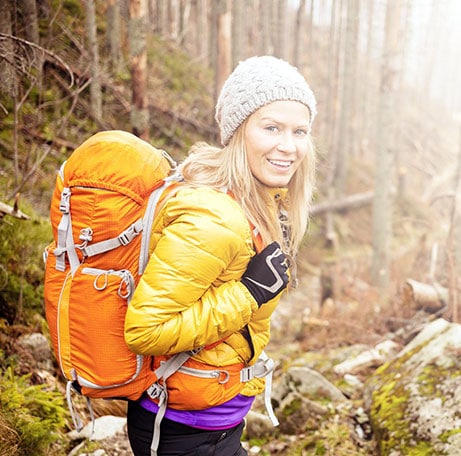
263	367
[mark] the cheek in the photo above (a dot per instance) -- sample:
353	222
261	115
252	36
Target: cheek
303	151
254	162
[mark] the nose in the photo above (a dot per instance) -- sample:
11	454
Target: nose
287	143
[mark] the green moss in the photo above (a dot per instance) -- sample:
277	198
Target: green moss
421	449
388	412
389	415
293	407
446	435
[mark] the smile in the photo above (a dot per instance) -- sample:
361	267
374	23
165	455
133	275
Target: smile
283	164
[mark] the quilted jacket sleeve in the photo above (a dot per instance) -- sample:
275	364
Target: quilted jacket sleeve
190	294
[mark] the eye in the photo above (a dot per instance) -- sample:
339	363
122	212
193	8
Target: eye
301	132
272	128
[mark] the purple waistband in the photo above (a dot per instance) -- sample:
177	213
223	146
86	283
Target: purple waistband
222	416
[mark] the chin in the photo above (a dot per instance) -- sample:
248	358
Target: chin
277	185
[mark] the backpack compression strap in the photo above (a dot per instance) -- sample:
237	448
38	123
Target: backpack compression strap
66	244
159	390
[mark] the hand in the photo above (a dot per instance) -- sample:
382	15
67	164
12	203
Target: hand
266	275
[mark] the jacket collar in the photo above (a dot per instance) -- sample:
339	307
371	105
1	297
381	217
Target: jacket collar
278	193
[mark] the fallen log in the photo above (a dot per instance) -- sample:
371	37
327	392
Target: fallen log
349	202
423	296
6	209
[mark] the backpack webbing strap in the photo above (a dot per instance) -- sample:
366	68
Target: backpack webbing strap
65	243
124	238
268	391
264	367
159	390
148	221
73	411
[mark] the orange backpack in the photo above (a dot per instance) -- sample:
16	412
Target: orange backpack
101	214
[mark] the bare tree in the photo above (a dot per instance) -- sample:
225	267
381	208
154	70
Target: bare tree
237	31
345	136
114	33
95	86
385	154
265	19
138	57
8	83
453	247
224	62
297	32
203	30
159	13
280	35
198	29
173	19
184	19
369	87
331	118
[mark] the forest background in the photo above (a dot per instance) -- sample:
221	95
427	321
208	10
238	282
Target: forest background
386	77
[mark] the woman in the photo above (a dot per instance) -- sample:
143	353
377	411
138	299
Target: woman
222	244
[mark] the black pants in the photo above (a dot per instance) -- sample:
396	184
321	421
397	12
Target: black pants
178	439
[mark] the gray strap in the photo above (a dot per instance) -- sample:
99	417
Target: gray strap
268	401
148	220
263	367
60	251
159	390
162	403
123	238
70	247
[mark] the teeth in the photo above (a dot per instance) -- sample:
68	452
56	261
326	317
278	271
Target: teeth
280	163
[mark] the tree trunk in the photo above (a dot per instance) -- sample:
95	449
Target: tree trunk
344	146
204	31
173	19
281	28
161	14
114	33
238	31
138	55
198	29
224	62
213	38
310	33
95	85
184	19
265	18
30	20
329	130
297	32
8	83
453	248
29	13
369	88
385	156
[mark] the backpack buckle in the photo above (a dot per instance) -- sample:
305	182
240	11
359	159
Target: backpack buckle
155	391
64	204
131	232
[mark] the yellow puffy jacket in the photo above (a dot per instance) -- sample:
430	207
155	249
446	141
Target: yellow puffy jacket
190	294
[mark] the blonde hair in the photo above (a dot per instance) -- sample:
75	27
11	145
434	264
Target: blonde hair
228	167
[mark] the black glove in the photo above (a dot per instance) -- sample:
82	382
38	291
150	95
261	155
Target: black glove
266	275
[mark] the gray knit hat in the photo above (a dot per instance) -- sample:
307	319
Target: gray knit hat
254	83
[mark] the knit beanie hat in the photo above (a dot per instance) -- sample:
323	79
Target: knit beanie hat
254	83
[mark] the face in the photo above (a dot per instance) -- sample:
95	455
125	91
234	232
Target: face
277	140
